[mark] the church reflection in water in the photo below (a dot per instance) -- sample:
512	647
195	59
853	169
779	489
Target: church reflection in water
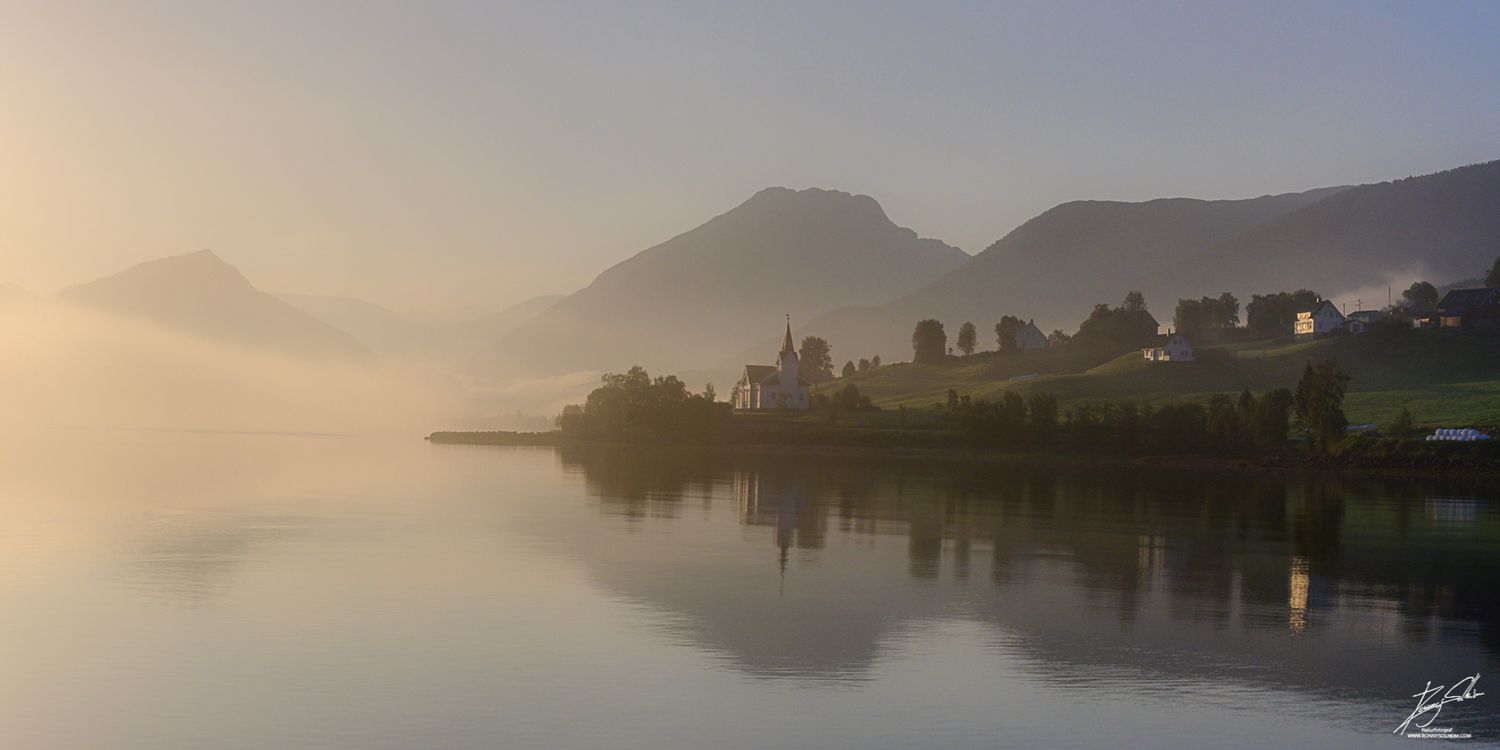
764	501
1280	578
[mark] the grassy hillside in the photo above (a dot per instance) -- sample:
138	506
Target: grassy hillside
1444	377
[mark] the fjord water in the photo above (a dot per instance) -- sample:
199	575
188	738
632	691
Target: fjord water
182	590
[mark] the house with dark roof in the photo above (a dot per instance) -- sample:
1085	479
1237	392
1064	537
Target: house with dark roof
1029	337
1173	347
778	386
1468	308
1323	319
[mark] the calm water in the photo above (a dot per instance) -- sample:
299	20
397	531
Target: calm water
200	590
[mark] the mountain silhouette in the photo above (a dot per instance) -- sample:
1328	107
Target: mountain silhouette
1057	266
200	295
1441	227
702	294
13	295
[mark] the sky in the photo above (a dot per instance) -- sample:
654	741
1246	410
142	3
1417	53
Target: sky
446	158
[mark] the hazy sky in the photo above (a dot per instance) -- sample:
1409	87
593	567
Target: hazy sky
434	155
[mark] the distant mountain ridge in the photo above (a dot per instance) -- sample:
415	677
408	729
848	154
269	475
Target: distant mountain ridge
200	295
390	333
702	294
1442	226
1057	266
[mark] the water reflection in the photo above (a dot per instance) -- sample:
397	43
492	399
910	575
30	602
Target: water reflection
1334	586
190	558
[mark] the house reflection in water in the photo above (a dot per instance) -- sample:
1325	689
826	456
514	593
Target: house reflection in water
1296	600
1151	558
1452	510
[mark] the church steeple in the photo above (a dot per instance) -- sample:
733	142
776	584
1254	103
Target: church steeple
786	341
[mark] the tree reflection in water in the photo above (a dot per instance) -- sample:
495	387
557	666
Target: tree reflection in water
1288	579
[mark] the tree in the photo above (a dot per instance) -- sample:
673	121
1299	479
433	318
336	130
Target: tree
1226	311
815	359
1043	423
1057	337
1421	296
1269	419
850	399
1272	315
1402	426
709	392
1492	279
1190	316
864	365
848	370
929	343
1320	403
1005	333
875	362
1199	315
634	400
1125	327
967	338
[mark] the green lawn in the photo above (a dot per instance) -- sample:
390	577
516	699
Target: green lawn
1444	377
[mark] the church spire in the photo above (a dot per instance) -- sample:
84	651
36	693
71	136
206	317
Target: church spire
786	342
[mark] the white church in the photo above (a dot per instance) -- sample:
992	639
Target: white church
778	386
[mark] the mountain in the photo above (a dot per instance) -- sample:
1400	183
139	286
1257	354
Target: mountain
14	295
201	295
704	294
1056	266
390	333
1440	227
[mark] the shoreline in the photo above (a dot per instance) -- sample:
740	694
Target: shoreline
958	452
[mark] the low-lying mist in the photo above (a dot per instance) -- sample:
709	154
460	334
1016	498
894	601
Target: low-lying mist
66	367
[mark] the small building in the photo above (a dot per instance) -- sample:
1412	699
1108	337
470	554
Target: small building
1173	347
1468	308
1030	337
1323	319
1369	317
778	386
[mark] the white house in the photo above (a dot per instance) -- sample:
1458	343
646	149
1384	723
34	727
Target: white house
1172	348
1030	337
1322	320
778	386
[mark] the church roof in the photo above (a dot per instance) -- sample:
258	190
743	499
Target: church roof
758	373
786	341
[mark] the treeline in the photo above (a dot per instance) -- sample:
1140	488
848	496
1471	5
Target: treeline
635	401
815	361
1220	425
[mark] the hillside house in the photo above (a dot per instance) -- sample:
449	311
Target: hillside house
1323	319
1468	308
1173	347
778	386
1030	337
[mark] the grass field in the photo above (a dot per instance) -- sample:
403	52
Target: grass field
1444	377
